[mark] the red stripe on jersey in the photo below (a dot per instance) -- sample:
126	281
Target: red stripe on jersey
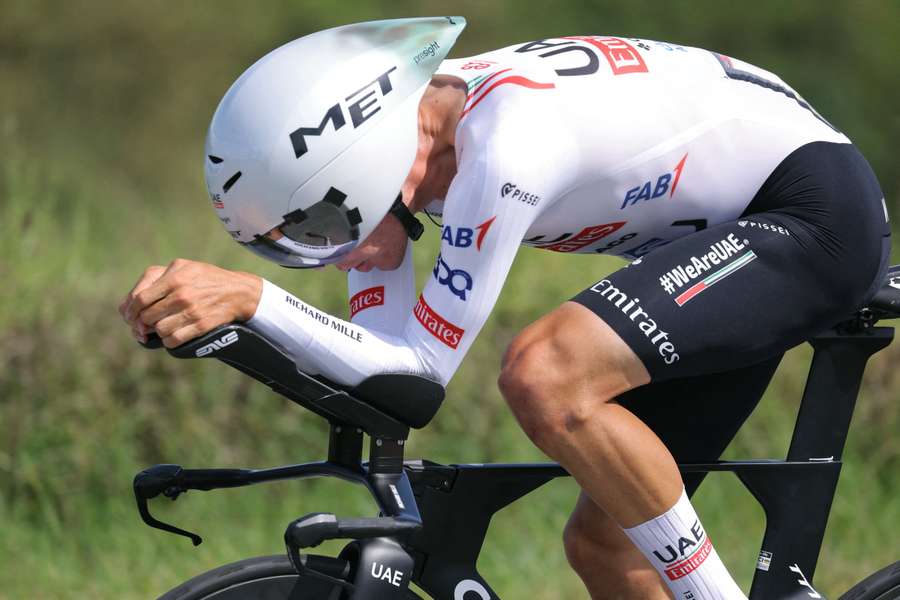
483	83
513	79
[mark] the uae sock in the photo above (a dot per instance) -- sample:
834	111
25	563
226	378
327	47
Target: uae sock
676	545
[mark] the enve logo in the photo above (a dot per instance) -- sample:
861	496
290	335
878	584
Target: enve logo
226	340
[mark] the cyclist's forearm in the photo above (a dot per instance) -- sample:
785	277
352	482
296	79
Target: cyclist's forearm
323	344
383	300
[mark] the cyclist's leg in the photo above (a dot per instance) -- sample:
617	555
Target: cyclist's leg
753	288
561	377
716	404
604	558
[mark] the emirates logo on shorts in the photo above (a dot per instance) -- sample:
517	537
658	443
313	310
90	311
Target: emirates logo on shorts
445	331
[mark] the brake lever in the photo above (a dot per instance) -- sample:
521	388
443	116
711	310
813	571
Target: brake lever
150	483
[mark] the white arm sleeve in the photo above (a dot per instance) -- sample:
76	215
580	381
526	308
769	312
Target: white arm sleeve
483	227
383	300
323	344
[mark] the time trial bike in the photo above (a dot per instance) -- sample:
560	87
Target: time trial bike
433	518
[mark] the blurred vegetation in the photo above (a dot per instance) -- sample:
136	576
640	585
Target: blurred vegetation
103	113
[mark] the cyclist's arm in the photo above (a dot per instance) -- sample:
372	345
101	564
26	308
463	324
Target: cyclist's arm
482	232
382	300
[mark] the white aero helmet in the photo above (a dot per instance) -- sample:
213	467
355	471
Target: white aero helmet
315	139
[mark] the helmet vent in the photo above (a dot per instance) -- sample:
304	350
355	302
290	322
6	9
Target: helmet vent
334	196
231	181
214	159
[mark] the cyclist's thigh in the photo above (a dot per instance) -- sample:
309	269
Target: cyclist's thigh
746	290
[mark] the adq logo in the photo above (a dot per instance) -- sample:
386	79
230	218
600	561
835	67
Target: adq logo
226	340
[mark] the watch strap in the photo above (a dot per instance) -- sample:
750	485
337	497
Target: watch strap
412	225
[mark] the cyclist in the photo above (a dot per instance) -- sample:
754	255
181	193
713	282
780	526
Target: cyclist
752	223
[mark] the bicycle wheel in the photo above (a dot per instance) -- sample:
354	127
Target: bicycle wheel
882	585
262	577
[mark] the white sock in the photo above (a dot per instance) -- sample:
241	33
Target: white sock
676	544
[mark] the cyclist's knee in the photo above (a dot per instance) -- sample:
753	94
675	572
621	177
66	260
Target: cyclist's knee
535	382
551	379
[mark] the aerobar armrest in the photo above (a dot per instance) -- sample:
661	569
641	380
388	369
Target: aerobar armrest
384	405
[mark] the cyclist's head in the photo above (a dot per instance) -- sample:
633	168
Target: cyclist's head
314	140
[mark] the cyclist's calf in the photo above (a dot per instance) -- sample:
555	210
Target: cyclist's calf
605	559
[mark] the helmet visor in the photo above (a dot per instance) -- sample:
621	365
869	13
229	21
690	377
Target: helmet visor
271	250
312	237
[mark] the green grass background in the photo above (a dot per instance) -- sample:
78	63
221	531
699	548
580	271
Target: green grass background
103	110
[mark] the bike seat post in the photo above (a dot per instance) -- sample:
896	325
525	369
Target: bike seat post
345	445
390	483
386	456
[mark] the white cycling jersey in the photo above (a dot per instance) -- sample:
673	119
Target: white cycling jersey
578	144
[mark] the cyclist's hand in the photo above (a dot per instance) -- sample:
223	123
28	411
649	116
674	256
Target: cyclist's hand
138	329
188	299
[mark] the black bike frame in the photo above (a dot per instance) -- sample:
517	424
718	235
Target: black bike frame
441	513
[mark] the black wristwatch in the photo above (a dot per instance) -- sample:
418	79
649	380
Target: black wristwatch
412	225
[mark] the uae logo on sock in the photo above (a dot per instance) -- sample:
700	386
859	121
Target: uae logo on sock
688	556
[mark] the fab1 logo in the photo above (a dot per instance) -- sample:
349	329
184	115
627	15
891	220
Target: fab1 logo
463	237
649	190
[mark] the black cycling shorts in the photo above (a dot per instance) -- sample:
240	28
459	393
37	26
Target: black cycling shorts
811	247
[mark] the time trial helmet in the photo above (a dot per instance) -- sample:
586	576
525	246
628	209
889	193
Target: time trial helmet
314	140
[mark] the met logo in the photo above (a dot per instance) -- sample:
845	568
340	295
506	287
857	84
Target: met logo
361	106
654	189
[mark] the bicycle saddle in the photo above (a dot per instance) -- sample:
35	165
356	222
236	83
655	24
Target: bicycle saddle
887	299
384	405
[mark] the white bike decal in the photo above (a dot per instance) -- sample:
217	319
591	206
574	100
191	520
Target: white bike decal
802	581
226	340
470	585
